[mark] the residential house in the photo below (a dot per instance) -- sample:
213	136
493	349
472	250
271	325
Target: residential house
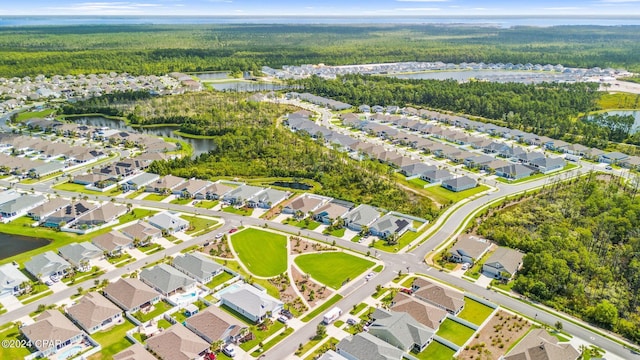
460	183
44	169
438	295
139	181
330	212
105	214
528	157
478	161
389	225
268	198
80	254
632	162
214	191
251	303
131	294
305	204
47	264
503	263
613	157
557	145
468	249
166	279
51	333
90	179
142	232
538	344
332	355
593	154
93	312
426	314
191	187
198	266
47	208
113	242
576	149
169	222
416	170
400	330
177	343
436	176
514	171
11	280
20	206
364	346
548	164
68	214
165	185
360	217
134	352
214	324
241	194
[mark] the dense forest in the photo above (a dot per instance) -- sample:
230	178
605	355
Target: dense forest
582	242
158	49
276	152
548	109
202	113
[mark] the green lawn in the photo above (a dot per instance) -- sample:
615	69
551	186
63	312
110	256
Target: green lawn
322	267
454	332
435	351
33	114
403	241
68	186
113	340
306	347
242	211
151	248
155	197
134	194
273	342
303	224
378	268
13	352
181	201
440	193
336	232
334	299
418	182
219	279
358	308
264	253
259	336
329	344
233	265
474	311
123	257
159	308
198	224
206	204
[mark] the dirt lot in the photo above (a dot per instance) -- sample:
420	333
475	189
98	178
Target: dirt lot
301	246
320	292
496	337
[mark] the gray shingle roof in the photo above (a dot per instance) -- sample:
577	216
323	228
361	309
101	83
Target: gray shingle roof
92	310
508	259
77	252
251	300
196	265
364	346
46	264
165	278
363	215
400	329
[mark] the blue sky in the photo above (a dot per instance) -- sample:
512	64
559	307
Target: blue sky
365	8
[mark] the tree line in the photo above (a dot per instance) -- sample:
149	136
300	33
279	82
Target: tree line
582	245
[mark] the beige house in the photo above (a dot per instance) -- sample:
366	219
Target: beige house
94	313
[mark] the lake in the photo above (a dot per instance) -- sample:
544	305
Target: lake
199	145
11	245
526	77
635	113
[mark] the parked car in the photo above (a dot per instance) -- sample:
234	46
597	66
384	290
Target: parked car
351	321
609	168
406	291
54	278
219	236
465	266
229	350
286	313
283	319
370	275
233	230
48	282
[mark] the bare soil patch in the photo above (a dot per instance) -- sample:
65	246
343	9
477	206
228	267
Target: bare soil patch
301	246
312	291
498	335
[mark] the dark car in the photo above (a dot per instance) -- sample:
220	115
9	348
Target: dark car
407	291
287	313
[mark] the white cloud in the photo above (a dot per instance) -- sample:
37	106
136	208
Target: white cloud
418	9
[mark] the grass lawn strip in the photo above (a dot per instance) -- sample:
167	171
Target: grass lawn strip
219	280
454	332
81	189
198	224
259	336
155	197
273	342
322	267
158	308
334	299
403	241
205	204
263	253
435	351
331	343
452	196
113	340
13	352
474	311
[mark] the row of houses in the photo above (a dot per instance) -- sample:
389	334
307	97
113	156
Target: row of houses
35	147
503	263
319	100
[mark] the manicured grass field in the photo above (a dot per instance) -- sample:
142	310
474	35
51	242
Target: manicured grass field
323	267
419	182
441	193
303	224
113	340
198	224
435	351
181	201
454	332
155	197
33	114
241	211
68	186
205	204
264	253
219	279
474	311
136	214
337	232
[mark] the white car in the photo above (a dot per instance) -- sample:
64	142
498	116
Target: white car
283	319
219	236
370	275
465	266
229	350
